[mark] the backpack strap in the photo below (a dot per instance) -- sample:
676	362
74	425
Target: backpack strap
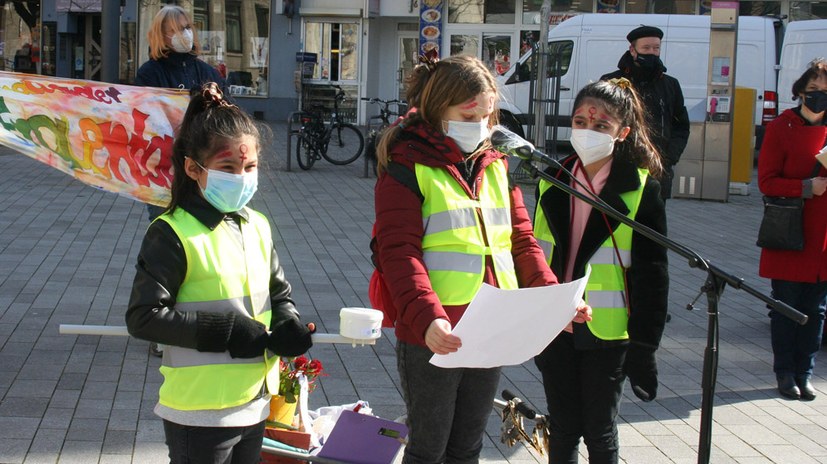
405	176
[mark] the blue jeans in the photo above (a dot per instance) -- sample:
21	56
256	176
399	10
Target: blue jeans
214	445
794	346
448	409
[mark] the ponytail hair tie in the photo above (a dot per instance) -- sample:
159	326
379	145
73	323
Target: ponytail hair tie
430	59
621	82
213	97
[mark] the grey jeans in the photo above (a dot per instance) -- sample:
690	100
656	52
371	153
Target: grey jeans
448	409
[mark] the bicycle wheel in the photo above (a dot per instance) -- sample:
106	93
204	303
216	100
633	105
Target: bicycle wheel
305	152
345	146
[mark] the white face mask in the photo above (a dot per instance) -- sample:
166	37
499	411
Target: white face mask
468	135
182	41
591	146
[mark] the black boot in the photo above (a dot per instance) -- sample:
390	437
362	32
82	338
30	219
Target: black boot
788	388
808	393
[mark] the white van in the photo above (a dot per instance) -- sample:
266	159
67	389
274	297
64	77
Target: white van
592	44
803	41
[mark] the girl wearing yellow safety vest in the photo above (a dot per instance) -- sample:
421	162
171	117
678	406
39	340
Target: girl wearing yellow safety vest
585	366
209	286
448	220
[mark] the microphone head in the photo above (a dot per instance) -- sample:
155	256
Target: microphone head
510	143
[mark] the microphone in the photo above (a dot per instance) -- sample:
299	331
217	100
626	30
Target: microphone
512	144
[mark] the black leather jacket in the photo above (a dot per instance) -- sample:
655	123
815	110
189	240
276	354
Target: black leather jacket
161	268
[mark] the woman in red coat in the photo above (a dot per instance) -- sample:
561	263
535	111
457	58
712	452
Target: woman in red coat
786	168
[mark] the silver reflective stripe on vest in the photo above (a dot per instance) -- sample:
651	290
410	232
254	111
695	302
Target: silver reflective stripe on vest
175	356
449	220
504	262
451	261
607	255
222	306
606	299
546	246
496	216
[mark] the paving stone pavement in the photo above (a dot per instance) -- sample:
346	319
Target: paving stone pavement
67	254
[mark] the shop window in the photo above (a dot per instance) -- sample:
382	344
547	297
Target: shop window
559	62
233	36
749	8
481	11
808	10
336	45
669	7
531	9
496	53
465	45
233	21
21	38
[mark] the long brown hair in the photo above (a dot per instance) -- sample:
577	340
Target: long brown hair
168	14
209	121
432	87
620	99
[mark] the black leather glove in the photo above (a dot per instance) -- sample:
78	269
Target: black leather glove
291	338
642	369
248	338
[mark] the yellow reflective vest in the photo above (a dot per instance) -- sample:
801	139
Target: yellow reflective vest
460	232
222	275
606	289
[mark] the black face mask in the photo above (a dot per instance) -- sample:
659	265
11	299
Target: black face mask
816	101
648	62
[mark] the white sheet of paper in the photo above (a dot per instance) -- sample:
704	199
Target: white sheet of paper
509	327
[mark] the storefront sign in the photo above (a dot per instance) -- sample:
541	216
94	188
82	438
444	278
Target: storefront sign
114	137
430	26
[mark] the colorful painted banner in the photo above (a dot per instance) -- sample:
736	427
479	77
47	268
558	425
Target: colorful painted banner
113	137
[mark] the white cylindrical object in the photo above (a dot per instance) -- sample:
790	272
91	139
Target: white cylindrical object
360	323
119	330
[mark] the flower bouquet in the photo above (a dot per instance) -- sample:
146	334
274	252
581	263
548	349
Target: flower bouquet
289	372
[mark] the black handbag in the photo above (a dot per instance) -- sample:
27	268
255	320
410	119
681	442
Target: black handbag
783	225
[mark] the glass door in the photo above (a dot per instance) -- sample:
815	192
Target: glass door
408	59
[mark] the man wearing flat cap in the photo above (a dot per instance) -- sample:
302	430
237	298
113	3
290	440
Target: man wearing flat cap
662	97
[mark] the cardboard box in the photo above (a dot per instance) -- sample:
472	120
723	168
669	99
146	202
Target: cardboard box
288	437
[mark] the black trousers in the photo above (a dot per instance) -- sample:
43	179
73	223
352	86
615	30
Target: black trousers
213	445
583	390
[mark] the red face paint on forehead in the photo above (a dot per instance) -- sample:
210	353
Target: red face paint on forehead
224	154
469	105
243	150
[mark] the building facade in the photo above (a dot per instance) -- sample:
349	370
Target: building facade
282	55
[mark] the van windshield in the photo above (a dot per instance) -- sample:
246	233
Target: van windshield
558	63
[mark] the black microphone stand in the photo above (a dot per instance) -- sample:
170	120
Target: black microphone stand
716	280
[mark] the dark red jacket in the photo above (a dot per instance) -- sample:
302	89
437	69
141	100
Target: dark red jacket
787	157
399	232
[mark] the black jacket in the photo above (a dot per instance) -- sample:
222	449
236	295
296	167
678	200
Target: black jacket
177	71
647	277
668	119
161	268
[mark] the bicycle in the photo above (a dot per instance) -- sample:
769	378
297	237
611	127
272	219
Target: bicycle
373	133
316	134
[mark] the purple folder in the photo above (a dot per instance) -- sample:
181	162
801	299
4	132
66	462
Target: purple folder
363	439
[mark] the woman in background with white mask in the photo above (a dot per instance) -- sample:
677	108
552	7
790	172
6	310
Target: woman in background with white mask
584	368
447	221
173	54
